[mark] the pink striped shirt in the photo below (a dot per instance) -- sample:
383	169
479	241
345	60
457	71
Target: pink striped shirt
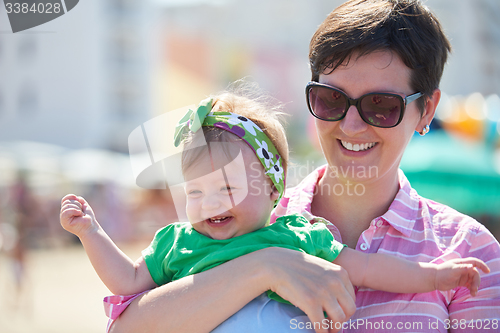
417	229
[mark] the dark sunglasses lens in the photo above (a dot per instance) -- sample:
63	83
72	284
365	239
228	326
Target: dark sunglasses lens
381	110
327	104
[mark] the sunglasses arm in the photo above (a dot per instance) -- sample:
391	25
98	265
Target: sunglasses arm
413	97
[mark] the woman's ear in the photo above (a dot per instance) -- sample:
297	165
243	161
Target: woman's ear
429	110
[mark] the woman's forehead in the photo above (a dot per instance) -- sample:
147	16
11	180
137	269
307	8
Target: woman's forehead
380	70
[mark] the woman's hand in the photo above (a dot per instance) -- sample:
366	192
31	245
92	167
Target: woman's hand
312	284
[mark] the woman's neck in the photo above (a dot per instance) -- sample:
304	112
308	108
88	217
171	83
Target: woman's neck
352	206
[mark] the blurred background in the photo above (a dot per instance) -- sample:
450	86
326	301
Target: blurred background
73	90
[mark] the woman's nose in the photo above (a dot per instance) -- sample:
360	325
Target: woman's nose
352	123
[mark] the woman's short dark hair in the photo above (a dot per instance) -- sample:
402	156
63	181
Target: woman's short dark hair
405	27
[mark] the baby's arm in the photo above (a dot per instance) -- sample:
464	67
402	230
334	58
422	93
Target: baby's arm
389	273
118	272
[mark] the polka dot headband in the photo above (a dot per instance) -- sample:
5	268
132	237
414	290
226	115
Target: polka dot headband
243	128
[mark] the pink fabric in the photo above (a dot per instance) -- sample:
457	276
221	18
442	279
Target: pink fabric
115	305
417	229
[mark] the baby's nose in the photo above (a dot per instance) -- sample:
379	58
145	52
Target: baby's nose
210	202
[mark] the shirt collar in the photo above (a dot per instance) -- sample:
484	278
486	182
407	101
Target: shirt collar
404	210
301	196
401	215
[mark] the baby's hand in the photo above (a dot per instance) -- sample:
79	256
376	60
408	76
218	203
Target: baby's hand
77	216
460	272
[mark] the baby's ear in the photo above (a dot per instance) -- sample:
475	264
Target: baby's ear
275	194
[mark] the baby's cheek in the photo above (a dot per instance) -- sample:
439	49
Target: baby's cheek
236	197
191	210
256	187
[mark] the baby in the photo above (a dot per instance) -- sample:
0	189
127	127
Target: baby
234	163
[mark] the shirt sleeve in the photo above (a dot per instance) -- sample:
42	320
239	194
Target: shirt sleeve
314	239
325	244
483	310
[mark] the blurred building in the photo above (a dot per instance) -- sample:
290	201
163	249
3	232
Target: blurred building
213	43
82	80
269	40
473	28
210	43
89	77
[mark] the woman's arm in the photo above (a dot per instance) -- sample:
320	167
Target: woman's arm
393	274
200	302
118	272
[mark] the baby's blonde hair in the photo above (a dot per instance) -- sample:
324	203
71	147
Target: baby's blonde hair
245	99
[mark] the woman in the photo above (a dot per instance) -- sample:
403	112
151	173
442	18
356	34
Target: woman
376	67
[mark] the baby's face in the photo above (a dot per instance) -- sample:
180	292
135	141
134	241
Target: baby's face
231	201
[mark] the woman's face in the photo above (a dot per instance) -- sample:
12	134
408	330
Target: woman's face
379	71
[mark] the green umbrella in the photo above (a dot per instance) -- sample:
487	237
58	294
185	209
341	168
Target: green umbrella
453	171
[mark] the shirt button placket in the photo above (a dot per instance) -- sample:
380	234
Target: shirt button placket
364	247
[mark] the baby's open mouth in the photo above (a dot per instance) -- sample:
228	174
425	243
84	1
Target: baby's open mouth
218	219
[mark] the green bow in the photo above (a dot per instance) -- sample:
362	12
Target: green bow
192	120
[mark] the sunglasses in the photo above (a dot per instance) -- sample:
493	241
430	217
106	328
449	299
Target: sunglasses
377	109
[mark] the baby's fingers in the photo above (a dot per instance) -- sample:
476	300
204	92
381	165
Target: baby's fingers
473	281
475	285
478	263
72	210
69	212
469	278
71	201
77	200
71	207
69	197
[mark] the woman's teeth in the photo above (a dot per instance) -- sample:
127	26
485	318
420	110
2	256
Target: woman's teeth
357	147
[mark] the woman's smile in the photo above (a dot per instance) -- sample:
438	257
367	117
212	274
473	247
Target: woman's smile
357	146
